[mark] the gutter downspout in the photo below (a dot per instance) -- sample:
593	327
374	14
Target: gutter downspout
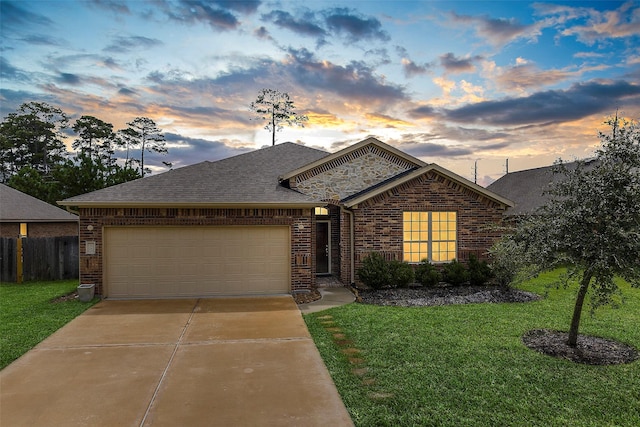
352	245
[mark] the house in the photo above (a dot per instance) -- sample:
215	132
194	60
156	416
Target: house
22	215
528	188
271	220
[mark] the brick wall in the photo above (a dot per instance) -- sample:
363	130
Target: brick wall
92	221
40	229
378	221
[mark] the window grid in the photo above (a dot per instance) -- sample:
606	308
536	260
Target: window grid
430	235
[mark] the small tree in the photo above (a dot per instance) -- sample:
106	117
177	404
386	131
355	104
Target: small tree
277	109
592	222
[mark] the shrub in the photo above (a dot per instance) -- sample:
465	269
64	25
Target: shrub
427	274
479	271
374	271
455	273
401	274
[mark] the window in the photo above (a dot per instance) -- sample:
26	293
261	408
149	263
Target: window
23	229
322	211
430	235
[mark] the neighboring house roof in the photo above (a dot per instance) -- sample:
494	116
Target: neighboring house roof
528	188
246	179
16	206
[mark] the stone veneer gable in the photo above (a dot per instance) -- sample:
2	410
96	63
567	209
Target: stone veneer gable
351	174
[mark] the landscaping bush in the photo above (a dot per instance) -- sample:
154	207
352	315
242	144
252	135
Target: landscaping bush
455	273
400	273
479	271
374	271
427	274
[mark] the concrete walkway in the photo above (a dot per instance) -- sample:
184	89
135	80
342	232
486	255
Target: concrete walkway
331	297
206	362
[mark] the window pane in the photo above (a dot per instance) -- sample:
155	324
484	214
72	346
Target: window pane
424	236
406	216
451	216
424	216
415	216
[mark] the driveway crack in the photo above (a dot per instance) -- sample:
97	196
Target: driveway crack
166	368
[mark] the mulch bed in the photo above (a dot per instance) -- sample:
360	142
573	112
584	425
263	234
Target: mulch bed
589	350
307	297
69	297
444	295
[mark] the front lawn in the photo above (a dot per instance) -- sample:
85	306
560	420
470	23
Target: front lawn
28	315
467	365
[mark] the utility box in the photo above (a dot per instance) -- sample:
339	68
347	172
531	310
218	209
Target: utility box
86	292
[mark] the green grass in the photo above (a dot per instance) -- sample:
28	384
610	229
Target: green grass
466	364
28	315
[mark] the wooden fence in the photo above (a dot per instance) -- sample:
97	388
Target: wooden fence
43	258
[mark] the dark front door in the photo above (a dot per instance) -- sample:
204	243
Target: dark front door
322	248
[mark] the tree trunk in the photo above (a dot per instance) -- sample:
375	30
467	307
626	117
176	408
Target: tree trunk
577	311
273	129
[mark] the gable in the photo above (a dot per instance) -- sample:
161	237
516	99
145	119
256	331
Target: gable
352	171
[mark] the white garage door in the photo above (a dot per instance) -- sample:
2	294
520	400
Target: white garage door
170	262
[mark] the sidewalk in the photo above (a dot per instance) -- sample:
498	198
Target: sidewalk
331	297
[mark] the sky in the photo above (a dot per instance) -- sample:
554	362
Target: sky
467	85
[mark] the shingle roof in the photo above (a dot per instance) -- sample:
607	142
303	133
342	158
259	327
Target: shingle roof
527	188
16	206
246	179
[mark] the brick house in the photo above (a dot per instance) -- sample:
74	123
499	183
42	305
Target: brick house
271	220
22	215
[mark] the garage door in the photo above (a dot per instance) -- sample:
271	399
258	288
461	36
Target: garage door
170	262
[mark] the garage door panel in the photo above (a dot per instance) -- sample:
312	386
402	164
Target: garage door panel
157	262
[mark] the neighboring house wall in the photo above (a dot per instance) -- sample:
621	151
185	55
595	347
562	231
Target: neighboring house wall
40	229
300	222
379	221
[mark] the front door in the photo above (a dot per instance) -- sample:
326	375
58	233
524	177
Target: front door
322	248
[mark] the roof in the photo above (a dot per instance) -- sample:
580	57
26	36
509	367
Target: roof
350	149
527	188
414	173
249	179
16	206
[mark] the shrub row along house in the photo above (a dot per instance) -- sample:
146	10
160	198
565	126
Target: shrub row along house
271	220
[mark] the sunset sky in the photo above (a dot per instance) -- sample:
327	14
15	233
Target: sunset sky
449	82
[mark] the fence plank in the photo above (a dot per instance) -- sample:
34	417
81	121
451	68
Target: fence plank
45	258
8	259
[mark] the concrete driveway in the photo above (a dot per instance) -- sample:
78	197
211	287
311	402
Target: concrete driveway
205	362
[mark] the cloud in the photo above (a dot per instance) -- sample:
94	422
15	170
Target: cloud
69	79
386	121
119	7
458	65
552	106
306	25
16	17
354	26
194	150
355	81
10	73
43	40
595	25
194	11
429	149
244	6
262	33
122	44
497	31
